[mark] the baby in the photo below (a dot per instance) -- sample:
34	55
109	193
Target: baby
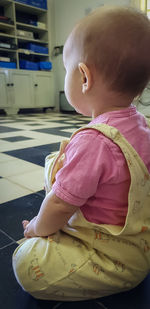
91	237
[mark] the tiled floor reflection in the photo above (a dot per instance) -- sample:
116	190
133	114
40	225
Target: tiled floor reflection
25	140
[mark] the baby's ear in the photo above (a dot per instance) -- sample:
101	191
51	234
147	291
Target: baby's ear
85	77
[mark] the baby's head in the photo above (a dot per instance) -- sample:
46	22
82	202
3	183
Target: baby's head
113	44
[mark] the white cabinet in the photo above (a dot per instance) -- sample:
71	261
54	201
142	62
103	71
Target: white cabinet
7	100
25	89
22	89
3	90
43	90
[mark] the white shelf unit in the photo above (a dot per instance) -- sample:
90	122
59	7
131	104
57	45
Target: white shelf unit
9	32
20	88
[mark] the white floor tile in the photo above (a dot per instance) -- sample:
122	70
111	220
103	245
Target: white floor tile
4	120
10	191
8	146
5	158
16	167
42	136
4	144
11	134
33	181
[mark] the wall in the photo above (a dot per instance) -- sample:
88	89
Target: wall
65	15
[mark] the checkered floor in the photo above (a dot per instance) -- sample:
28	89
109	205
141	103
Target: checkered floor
25	140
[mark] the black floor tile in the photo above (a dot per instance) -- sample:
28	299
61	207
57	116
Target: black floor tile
13	212
60	131
66	121
16	138
137	298
81	305
4	129
41	193
28	115
8	284
14	120
75	127
4	239
36	124
68	114
24	120
11	294
35	154
56	131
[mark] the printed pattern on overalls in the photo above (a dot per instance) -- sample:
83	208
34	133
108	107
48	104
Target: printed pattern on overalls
85	260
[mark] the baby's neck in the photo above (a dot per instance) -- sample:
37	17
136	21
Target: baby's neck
107	101
109	109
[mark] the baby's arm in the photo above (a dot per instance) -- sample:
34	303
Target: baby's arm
53	215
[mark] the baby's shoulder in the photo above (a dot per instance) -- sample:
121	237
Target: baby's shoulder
87	132
90	134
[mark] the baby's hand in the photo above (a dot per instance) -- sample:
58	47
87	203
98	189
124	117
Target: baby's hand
29	228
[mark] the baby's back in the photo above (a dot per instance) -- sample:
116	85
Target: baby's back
110	205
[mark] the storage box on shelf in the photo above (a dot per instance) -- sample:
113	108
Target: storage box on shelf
45	65
22	1
28	65
7	65
37	3
37	48
27	34
39	65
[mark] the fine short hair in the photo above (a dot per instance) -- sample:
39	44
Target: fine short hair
116	41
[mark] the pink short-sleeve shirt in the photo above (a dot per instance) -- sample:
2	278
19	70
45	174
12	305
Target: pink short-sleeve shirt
95	176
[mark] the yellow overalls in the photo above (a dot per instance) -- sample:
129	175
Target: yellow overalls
85	260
